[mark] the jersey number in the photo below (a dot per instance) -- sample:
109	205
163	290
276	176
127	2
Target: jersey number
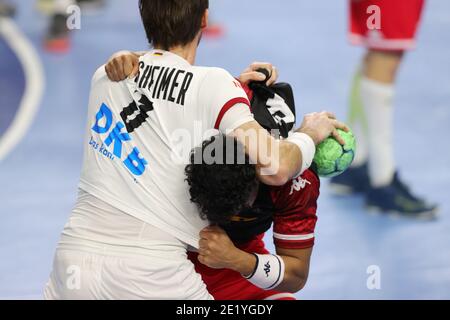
134	115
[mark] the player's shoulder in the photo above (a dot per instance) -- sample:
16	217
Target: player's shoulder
216	71
213	75
100	79
308	181
99	75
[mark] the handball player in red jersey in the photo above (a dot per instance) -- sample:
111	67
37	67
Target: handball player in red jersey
233	260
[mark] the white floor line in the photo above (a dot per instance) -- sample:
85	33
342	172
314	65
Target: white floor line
34	85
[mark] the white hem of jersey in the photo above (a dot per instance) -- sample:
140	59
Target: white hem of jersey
183	237
279	296
293	237
34	85
388	44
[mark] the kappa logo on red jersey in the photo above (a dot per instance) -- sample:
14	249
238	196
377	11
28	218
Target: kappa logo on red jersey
298	184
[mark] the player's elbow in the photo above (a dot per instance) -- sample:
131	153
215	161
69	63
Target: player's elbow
283	175
278	177
277	180
295	279
301	283
297	283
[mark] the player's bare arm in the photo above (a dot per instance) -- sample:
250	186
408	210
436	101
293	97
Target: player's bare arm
277	161
124	64
218	251
286	157
296	268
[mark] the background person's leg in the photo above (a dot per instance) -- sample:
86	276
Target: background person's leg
377	94
371	105
372	117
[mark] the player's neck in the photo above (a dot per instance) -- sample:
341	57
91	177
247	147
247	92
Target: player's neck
187	52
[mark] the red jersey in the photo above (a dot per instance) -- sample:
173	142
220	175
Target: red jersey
292	210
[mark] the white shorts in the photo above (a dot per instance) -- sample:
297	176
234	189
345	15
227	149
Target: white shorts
84	275
106	254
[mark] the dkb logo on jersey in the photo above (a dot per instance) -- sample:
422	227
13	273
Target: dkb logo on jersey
116	137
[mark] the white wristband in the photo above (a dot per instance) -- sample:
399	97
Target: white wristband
269	271
307	148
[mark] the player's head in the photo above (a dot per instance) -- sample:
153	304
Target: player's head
221	179
171	23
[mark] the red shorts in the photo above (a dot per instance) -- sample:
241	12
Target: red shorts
385	24
224	284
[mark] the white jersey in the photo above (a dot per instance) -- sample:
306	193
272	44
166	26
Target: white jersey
140	132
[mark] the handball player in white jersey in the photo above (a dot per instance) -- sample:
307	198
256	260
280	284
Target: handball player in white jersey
129	231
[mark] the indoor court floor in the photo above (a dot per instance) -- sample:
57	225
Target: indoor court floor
40	163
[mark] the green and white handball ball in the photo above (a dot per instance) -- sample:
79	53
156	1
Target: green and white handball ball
332	158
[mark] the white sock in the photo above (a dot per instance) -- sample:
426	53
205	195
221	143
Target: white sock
358	122
377	99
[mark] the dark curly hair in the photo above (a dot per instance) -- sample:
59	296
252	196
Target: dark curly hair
221	179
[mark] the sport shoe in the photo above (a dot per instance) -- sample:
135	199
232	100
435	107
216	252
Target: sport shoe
354	180
398	200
